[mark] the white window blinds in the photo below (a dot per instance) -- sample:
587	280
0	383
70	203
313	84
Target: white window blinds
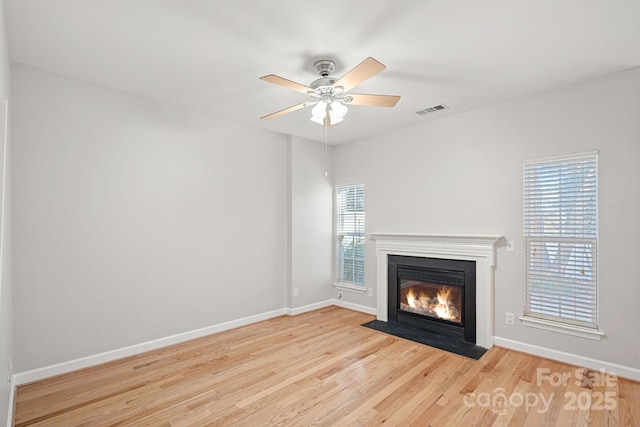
561	239
350	233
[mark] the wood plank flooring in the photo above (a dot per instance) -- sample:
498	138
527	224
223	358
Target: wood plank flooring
323	369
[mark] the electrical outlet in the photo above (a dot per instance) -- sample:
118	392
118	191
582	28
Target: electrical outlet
370	292
339	295
510	319
296	292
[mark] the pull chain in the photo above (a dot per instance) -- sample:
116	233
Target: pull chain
326	148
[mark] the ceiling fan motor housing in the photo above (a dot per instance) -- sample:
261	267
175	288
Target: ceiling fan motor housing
325	83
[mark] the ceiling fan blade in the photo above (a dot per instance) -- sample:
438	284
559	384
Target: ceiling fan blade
281	81
374	100
285	111
358	74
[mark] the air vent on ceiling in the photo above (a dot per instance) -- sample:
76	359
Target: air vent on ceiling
432	109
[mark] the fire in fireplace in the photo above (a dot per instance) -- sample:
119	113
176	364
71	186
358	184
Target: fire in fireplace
430	299
434	295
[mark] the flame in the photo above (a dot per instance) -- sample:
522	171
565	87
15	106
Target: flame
443	309
411	298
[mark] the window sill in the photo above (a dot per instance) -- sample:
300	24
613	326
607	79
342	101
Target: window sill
350	287
561	328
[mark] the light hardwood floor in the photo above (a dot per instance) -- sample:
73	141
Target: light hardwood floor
323	368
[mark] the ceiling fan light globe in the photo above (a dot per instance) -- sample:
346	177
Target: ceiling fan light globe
334	119
318	120
338	109
320	110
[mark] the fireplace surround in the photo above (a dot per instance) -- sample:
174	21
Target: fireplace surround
480	249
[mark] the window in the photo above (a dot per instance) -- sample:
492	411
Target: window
350	233
561	239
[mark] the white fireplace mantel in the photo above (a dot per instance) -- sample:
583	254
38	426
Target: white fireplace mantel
481	249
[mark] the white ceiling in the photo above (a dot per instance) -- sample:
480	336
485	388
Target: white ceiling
207	55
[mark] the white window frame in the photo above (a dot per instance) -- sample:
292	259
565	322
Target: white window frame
561	244
357	224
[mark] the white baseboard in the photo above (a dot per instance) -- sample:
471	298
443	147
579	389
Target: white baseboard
356	307
108	356
12	401
572	359
310	307
329	303
85	362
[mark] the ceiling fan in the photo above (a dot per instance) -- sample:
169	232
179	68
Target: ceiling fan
329	94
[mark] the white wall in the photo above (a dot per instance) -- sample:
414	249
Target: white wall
135	221
462	174
6	306
311	216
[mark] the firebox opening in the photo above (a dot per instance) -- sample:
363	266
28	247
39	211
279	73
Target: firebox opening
439	301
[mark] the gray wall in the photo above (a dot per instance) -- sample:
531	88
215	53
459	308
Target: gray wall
6	331
462	174
311	216
135	221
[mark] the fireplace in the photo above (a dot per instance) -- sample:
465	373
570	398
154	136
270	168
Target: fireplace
433	294
480	250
